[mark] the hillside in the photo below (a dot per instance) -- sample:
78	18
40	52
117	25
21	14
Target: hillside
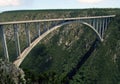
71	54
10	74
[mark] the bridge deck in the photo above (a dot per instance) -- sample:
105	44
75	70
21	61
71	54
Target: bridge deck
60	19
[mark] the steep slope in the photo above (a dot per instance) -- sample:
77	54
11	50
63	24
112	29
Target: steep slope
62	51
9	74
102	67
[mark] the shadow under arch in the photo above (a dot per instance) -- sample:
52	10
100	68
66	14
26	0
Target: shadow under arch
22	56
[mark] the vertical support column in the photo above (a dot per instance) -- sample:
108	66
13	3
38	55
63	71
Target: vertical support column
27	30
90	21
17	42
47	26
100	27
97	25
38	29
103	27
106	23
109	19
44	28
94	23
4	44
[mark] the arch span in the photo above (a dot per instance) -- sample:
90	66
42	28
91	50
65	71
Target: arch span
22	56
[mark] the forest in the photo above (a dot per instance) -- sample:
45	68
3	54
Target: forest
71	54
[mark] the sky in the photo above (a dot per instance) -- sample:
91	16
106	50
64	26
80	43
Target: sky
7	5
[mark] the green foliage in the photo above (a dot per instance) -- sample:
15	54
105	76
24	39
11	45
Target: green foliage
102	66
56	55
9	74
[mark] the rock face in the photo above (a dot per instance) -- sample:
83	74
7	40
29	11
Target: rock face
10	74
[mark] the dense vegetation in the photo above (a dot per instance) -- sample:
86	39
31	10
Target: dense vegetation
10	74
55	58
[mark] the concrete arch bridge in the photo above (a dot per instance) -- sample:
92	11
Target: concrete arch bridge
99	24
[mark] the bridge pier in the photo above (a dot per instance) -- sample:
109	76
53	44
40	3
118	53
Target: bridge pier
4	44
97	25
17	42
93	24
27	30
106	23
99	29
38	29
103	28
47	26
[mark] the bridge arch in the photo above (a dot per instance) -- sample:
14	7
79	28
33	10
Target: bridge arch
36	41
84	23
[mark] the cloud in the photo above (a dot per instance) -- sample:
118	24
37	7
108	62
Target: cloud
90	1
4	3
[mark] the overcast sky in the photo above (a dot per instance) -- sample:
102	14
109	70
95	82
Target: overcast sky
6	5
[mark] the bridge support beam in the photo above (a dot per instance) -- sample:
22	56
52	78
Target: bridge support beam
38	29
4	44
103	27
17	42
27	30
100	27
45	28
94	23
106	23
97	25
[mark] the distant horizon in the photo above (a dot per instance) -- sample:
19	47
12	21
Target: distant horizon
11	5
53	9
